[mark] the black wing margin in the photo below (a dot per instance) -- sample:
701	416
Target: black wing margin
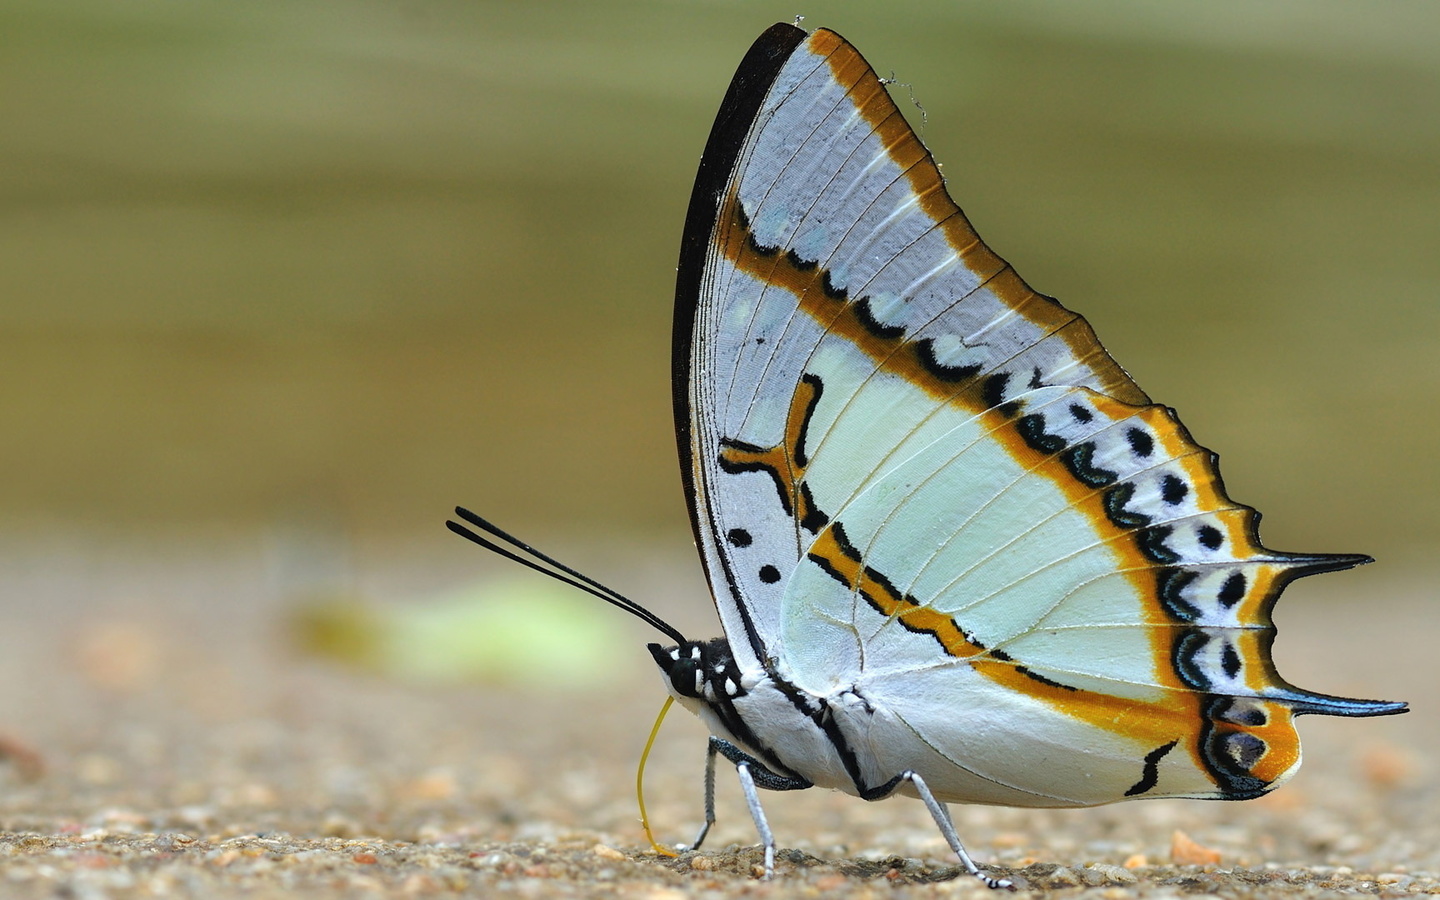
752	81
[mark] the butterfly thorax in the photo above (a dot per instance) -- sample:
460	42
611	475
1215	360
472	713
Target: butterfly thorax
796	734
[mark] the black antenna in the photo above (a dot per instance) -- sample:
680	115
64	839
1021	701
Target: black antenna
556	570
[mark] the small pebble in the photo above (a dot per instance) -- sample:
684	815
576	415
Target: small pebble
1186	851
607	852
1104	874
1063	877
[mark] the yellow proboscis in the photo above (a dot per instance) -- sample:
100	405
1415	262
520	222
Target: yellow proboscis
640	783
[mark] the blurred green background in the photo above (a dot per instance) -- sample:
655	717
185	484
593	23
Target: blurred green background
354	262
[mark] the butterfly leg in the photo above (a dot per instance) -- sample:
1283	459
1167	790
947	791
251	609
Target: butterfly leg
710	752
753	775
752	799
941	814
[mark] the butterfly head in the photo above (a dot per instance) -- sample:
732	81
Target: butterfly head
699	670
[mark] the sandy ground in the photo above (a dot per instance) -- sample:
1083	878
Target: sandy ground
160	740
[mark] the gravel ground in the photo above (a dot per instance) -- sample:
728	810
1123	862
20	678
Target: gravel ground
161	740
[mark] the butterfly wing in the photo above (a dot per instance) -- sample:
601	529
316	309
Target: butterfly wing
914	477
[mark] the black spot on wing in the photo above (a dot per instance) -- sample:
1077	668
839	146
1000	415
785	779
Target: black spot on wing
1244	748
1080	413
1230	755
738	537
1140	442
1210	537
1233	590
1173	489
1240	714
769	574
1230	661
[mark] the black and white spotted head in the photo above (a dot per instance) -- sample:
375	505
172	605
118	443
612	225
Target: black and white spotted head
699	670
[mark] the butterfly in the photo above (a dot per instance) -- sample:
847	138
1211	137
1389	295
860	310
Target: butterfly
958	554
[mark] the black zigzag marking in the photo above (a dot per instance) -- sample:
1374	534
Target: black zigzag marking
1150	775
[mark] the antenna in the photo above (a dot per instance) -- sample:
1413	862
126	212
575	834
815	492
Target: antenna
546	565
